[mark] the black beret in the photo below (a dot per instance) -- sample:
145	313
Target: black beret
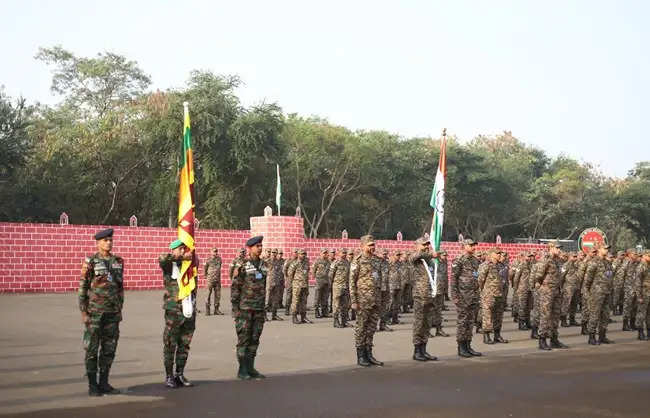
254	241
104	233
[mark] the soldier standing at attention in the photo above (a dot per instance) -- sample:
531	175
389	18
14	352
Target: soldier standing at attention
275	279
584	292
101	296
599	278
299	276
524	294
320	270
338	274
247	295
395	273
643	296
179	330
385	291
240	256
281	262
464	293
629	290
491	285
617	297
365	282
548	280
407	283
569	291
439	299
511	279
288	283
212	271
422	298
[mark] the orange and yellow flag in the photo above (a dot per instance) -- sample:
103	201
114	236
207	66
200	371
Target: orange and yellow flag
187	280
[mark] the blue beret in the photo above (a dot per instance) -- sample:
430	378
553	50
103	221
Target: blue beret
104	233
254	241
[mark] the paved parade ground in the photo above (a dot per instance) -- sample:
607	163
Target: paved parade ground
311	370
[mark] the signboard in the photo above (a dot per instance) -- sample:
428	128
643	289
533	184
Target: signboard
591	237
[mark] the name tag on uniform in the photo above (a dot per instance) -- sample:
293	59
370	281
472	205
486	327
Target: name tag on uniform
117	266
258	275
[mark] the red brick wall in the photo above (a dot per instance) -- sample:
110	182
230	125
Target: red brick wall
47	257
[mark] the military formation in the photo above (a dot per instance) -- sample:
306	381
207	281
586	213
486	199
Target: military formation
549	289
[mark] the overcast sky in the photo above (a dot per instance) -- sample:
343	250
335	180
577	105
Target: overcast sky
571	77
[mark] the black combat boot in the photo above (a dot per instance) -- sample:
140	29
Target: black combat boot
486	338
556	343
243	369
325	311
440	332
207	309
181	380
170	382
304	320
317	313
217	311
372	358
522	325
275	317
602	337
251	368
93	389
417	353
572	321
534	335
626	325
543	345
583	331
353	315
104	387
642	336
563	322
498	338
423	351
462	349
294	319
344	320
362	360
633	322
337	324
471	350
395	319
592	339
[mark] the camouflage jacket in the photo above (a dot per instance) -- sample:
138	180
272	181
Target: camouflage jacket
320	270
170	297
365	281
248	289
547	273
422	268
233	263
464	284
581	269
599	276
395	275
101	286
642	275
298	274
275	272
385	278
570	270
212	270
443	276
285	271
522	276
490	280
339	273
630	270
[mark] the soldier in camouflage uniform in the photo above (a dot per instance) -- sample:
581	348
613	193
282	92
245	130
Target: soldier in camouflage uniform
439	299
490	283
395	277
642	275
275	279
385	292
281	262
617	293
179	330
463	287
320	270
629	291
299	277
238	259
584	292
407	284
511	279
212	272
247	295
288	285
599	279
365	295
339	273
569	291
524	293
101	296
421	259
548	281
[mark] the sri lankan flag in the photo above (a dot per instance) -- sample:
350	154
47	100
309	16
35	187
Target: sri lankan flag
187	280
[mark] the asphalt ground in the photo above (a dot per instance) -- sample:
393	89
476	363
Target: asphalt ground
311	370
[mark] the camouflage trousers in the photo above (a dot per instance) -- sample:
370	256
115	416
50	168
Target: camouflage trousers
214	287
534	313
395	301
422	311
466	315
643	313
492	309
340	301
275	296
384	307
407	295
524	304
288	296
629	303
550	303
177	337
584	306
436	312
515	301
366	325
100	339
506	289
598	311
248	326
618	295
321	295
299	300
570	296
281	290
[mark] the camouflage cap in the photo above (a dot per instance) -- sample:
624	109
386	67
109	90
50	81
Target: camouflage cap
469	241
324	250
620	253
605	246
242	250
301	251
296	250
367	239
646	252
343	250
274	251
554	244
398	252
442	252
422	241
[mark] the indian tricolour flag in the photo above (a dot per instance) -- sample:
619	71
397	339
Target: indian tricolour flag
278	189
438	205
